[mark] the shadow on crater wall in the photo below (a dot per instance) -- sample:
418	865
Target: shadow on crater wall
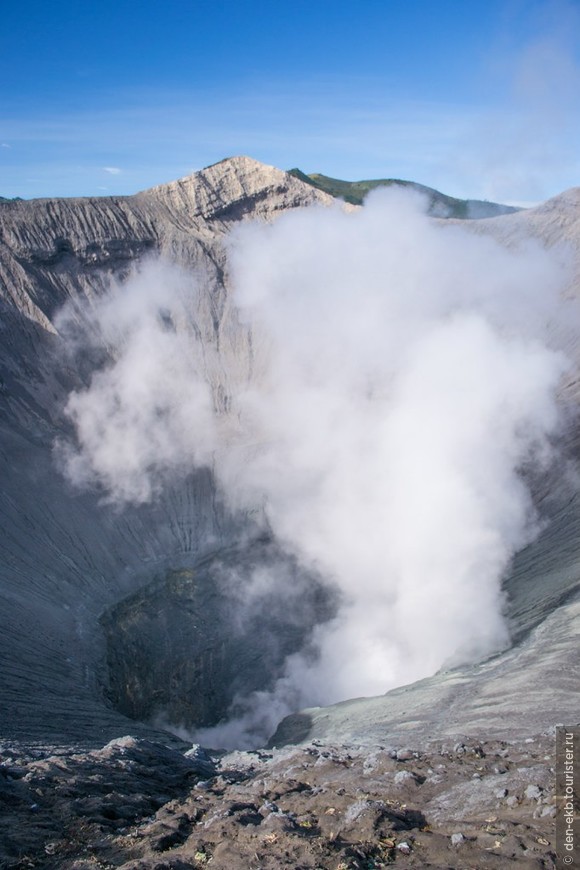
184	646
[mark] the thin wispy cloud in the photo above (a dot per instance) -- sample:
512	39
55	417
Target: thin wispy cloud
162	136
347	127
478	102
533	132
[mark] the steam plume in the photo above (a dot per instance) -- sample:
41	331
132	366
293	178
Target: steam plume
403	377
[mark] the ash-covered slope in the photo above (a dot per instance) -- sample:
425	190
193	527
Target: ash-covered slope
65	560
52	250
107	613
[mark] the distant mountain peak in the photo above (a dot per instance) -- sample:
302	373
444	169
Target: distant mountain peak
233	187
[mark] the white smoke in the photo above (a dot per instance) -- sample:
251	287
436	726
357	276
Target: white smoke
403	378
149	412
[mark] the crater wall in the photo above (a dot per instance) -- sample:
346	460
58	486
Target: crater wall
105	614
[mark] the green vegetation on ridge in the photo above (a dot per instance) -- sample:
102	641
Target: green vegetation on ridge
440	205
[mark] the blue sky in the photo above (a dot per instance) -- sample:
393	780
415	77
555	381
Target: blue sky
478	98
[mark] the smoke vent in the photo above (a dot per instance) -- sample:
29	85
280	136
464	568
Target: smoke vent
181	649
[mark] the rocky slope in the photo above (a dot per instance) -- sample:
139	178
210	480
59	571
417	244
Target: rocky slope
53	249
140	806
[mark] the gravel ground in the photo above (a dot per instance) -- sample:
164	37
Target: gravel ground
142	806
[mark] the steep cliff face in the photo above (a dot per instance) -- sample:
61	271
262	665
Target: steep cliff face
53	250
108	613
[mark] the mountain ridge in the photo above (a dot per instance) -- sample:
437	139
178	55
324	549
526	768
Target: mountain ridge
440	204
353	192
